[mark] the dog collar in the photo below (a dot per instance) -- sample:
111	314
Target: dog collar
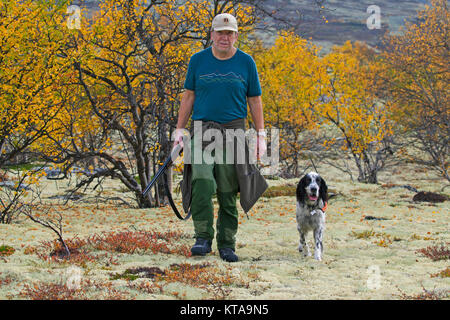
325	205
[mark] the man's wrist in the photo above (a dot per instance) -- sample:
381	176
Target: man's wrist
261	133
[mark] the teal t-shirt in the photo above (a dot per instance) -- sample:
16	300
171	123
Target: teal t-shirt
221	86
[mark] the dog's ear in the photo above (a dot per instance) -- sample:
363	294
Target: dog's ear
301	192
323	190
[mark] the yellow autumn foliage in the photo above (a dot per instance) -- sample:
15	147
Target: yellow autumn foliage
31	71
349	101
304	92
416	77
292	78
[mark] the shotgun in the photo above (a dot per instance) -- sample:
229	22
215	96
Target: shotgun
177	150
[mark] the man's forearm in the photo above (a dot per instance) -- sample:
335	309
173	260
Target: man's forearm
256	110
187	102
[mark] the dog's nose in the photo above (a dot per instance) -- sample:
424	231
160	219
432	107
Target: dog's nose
314	190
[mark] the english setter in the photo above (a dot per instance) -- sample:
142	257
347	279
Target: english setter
312	197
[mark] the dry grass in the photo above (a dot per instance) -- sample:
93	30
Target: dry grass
129	253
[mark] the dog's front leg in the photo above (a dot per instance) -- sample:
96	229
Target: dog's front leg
318	250
303	247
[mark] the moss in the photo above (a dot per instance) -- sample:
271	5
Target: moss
6	250
124	276
280	191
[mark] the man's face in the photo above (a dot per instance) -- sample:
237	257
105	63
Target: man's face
224	40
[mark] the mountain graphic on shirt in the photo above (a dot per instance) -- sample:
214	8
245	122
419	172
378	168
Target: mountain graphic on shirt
229	77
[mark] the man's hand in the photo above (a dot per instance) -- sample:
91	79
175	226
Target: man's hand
178	137
261	146
256	111
178	144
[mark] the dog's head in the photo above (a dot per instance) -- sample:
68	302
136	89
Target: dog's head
312	188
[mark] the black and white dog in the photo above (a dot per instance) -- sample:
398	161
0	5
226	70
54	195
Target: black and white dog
312	197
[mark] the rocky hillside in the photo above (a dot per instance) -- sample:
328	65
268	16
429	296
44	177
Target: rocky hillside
340	20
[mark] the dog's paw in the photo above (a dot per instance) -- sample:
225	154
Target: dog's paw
318	256
304	251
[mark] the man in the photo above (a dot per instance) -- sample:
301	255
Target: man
220	81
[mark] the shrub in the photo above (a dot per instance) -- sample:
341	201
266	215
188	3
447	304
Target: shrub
86	291
435	294
436	252
443	274
363	234
215	281
5	281
130	242
139	242
384	239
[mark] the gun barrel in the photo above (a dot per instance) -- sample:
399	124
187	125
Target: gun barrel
175	152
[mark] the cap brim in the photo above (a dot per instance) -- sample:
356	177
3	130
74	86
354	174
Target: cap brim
225	28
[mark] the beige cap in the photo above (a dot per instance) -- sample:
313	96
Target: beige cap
224	21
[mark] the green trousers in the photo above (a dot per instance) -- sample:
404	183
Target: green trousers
207	180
